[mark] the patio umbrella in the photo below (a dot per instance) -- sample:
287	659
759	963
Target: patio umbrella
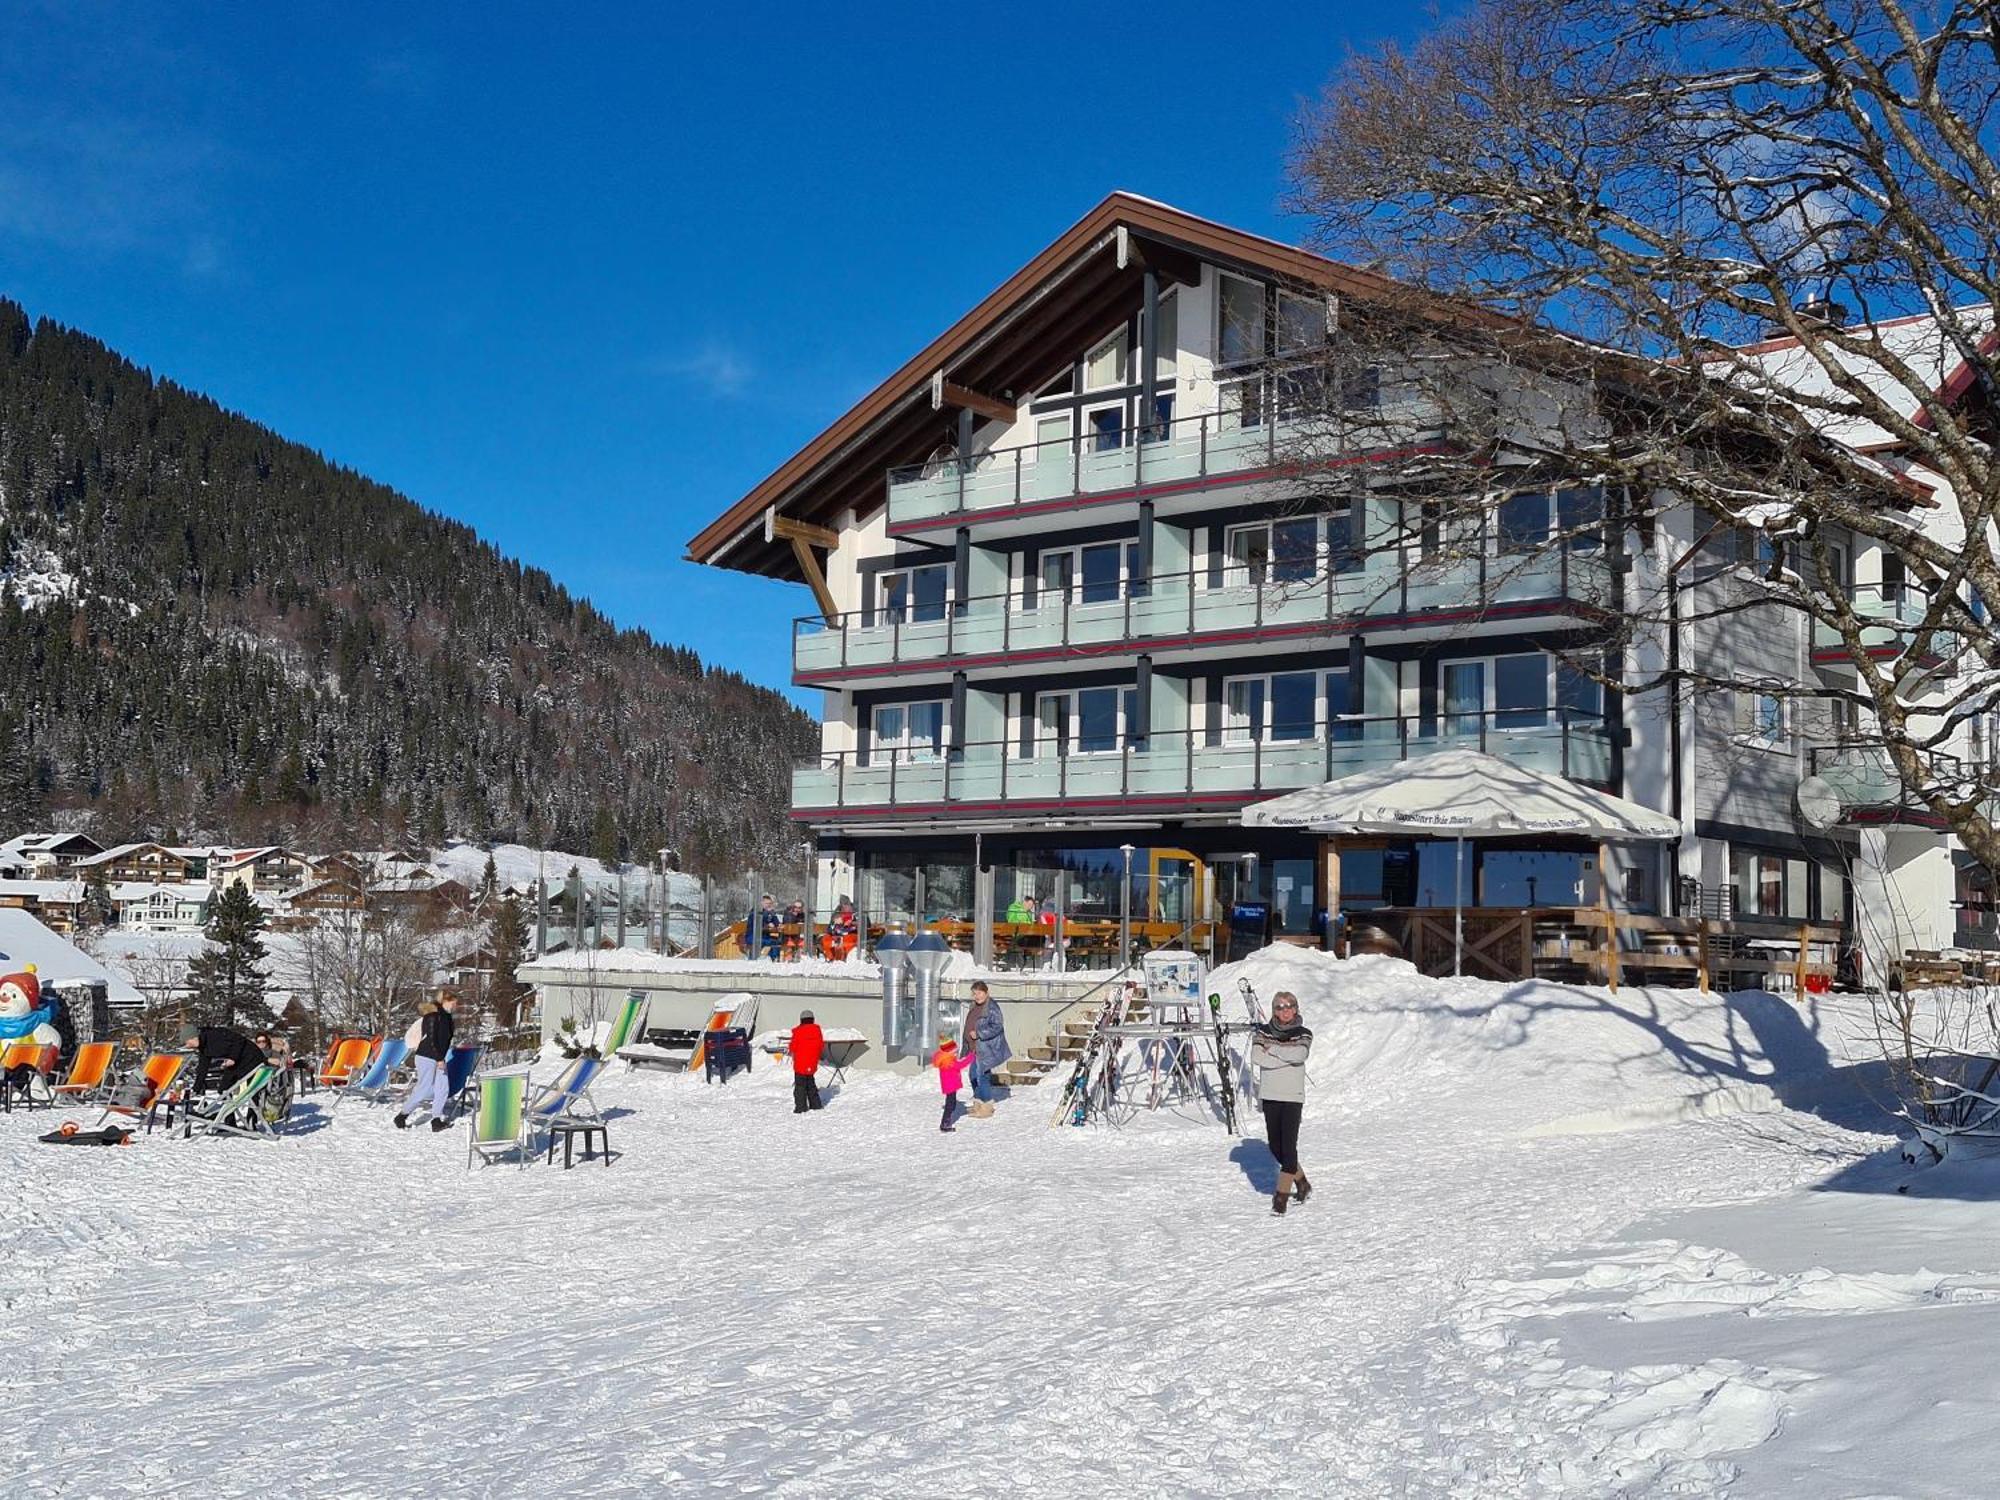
1461	794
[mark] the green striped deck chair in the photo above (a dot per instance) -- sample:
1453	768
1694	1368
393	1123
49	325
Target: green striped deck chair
500	1124
626	1025
239	1112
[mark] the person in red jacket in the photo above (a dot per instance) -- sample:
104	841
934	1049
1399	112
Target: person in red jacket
807	1047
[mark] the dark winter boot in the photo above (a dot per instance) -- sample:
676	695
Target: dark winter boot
1301	1189
402	1122
1281	1199
437	1125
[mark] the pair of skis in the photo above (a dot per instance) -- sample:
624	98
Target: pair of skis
1253	1008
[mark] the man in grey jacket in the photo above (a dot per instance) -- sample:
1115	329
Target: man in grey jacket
1280	1053
984	1040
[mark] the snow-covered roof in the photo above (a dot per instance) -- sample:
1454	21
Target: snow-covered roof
43	890
43	843
121	851
23	940
1919	342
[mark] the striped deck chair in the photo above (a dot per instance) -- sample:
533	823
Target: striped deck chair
147	1090
88	1071
569	1095
348	1058
500	1124
239	1112
372	1083
626	1026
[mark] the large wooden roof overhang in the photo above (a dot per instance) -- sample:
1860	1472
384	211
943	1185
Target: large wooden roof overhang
1013	341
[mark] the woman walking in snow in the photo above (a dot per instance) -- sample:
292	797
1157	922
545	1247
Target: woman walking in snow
1280	1052
434	1028
984	1042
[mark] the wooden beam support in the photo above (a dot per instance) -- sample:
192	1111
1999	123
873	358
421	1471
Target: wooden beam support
815	579
986	406
803	531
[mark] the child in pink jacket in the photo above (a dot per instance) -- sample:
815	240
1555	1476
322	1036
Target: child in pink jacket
951	1077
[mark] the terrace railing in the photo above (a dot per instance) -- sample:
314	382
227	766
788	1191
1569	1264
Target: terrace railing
1085	618
1193	765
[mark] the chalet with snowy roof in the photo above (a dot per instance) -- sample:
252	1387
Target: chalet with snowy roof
266	869
56	904
42	856
1076	609
146	863
153	907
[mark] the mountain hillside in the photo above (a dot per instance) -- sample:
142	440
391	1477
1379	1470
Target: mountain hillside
210	632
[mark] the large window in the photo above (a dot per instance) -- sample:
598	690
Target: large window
1088	721
1099	573
1288	707
1288	550
1513	692
1240	337
1104	366
1106	427
905	595
908	731
1301	323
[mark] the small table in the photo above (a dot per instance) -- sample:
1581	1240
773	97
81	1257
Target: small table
569	1130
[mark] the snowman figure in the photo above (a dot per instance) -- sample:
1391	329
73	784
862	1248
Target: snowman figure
24	1016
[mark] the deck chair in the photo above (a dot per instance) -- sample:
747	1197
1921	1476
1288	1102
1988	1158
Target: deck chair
569	1095
626	1026
239	1112
500	1124
146	1090
42	1059
459	1064
348	1058
372	1083
88	1071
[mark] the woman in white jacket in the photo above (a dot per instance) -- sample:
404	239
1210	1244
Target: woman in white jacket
1280	1053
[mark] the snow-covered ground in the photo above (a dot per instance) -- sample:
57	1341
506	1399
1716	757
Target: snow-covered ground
1562	1243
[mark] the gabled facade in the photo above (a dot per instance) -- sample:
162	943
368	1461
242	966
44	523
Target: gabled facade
149	863
147	907
1077	594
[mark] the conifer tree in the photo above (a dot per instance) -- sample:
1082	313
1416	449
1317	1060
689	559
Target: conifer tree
509	942
227	979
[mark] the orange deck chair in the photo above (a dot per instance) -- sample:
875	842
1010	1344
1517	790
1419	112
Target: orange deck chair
87	1071
142	1094
348	1057
32	1055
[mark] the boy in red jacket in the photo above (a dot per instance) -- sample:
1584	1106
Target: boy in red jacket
808	1045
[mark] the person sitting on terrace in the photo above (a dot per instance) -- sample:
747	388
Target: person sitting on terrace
761	938
1021	909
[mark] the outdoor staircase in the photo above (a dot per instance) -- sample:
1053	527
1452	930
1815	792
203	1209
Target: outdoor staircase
1058	1050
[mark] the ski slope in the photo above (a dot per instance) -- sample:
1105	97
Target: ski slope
1561	1244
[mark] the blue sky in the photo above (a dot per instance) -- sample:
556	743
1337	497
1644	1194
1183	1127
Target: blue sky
582	275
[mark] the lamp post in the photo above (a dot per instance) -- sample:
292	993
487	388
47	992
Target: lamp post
1125	911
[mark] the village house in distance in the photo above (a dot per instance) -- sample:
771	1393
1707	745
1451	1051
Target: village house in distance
1070	610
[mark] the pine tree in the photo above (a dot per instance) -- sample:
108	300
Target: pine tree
227	978
509	942
604	837
489	884
98	909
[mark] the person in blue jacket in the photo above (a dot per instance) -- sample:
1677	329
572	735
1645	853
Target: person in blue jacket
985	1040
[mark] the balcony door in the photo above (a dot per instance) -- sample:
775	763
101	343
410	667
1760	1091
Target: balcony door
1087	721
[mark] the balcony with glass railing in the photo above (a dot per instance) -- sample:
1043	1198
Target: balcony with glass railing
1200	607
1259	431
1891	614
1183	770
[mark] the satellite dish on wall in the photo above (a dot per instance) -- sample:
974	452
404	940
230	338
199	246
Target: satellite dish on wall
1819	804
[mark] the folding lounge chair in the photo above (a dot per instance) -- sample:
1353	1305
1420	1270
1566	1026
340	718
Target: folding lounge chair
569	1096
459	1064
348	1058
372	1084
42	1059
239	1112
500	1124
145	1091
626	1026
88	1071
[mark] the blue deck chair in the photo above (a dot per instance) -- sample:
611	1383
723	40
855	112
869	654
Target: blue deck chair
374	1085
569	1096
458	1066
